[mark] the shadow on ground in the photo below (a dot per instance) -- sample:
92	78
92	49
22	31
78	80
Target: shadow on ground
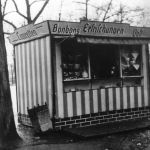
129	140
52	140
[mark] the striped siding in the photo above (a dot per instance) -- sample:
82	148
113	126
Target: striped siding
110	97
34	85
125	106
69	103
139	96
78	103
103	98
87	102
132	97
60	102
20	87
145	73
48	69
95	101
28	57
24	79
115	98
33	70
18	81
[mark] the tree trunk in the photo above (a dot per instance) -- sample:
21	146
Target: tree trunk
7	124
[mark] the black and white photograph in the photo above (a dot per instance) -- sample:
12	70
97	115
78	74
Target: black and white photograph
74	75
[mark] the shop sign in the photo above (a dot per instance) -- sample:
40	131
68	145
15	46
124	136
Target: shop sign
89	28
84	28
29	32
142	32
104	29
98	29
64	28
137	32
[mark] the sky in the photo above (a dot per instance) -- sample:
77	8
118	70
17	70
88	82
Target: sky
70	10
71	7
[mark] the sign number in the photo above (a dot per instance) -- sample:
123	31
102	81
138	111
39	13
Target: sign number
137	32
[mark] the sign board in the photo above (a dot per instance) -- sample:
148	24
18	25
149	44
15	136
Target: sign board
83	28
64	28
104	29
29	32
98	29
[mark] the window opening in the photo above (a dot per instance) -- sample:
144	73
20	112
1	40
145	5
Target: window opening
100	66
75	61
130	61
131	66
104	61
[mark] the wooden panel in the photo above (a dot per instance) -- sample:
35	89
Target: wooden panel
34	79
78	99
60	103
145	67
112	97
117	98
95	101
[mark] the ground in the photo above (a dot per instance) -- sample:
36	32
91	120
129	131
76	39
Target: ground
131	140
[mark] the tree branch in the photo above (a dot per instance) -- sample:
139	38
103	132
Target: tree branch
10	23
17	10
35	2
29	20
40	11
4	8
7	33
108	8
9	13
115	14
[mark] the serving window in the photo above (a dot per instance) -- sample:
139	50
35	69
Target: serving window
75	62
131	65
100	66
130	62
104	62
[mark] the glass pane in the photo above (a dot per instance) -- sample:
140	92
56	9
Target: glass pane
74	61
104	61
131	61
132	81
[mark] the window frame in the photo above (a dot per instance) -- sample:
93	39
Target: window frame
121	77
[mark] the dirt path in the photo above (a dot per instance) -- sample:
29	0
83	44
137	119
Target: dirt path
133	140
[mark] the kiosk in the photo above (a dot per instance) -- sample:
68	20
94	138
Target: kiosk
87	72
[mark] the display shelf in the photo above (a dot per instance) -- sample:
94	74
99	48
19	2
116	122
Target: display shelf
79	79
132	77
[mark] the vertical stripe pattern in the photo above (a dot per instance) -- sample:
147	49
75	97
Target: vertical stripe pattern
145	73
33	71
86	102
34	85
59	90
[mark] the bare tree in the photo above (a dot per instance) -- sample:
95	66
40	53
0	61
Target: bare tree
107	10
122	14
7	124
126	14
28	17
102	12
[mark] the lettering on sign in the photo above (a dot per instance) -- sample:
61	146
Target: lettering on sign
29	32
26	35
137	32
103	29
65	30
83	28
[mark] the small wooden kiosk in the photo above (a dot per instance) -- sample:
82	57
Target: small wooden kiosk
88	73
